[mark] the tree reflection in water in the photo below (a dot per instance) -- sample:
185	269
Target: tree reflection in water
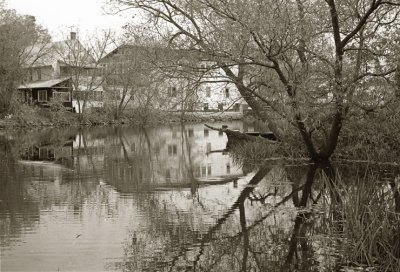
276	224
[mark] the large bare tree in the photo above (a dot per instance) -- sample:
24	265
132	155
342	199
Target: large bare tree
305	61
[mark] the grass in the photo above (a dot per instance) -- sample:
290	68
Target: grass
369	223
254	152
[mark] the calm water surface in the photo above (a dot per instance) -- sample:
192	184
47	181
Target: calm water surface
161	199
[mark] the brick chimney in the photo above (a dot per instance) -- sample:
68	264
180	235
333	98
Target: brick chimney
73	35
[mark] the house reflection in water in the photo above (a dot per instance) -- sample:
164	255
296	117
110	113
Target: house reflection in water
168	157
89	150
133	160
49	153
46	160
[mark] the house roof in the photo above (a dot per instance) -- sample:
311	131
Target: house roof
70	52
152	52
43	84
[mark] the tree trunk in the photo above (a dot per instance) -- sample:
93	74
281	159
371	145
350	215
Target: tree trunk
261	110
397	81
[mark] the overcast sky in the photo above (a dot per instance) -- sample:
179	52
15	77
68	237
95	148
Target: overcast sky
60	16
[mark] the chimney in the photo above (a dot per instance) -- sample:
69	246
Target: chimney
73	35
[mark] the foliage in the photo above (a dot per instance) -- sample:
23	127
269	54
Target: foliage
59	114
372	136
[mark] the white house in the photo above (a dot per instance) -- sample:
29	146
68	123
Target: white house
184	80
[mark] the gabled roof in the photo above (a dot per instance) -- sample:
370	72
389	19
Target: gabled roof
43	84
65	51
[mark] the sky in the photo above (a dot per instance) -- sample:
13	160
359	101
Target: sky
63	16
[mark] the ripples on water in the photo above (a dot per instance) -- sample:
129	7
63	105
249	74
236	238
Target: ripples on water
125	199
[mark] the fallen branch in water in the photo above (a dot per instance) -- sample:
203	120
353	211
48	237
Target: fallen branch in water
240	136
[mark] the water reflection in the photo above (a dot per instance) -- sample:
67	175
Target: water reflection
171	199
271	225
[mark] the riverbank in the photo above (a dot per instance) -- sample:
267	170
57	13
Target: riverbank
37	118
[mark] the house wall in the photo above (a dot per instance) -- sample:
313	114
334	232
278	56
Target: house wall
212	92
181	93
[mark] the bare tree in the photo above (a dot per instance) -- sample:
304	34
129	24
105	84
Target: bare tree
80	59
129	77
144	76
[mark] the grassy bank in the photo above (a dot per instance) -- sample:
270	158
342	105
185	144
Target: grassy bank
32	117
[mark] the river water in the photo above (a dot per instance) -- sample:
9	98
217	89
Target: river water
169	198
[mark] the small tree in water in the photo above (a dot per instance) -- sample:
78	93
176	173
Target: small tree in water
305	61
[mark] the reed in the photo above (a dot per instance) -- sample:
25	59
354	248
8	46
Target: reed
369	224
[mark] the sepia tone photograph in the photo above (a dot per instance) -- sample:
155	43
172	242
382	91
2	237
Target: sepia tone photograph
200	135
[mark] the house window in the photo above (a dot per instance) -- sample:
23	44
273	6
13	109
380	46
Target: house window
208	148
168	175
208	91
172	91
172	150
97	95
39	74
42	95
205	106
203	171
191	133
220	106
43	153
61	96
205	132
209	169
227	92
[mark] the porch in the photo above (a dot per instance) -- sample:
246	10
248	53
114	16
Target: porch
43	92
